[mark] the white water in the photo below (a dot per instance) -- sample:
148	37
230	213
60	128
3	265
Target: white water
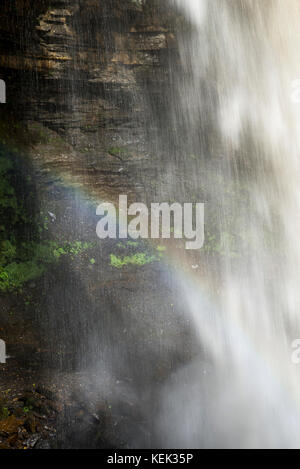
248	396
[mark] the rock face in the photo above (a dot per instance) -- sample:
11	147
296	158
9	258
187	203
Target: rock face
86	91
89	72
107	49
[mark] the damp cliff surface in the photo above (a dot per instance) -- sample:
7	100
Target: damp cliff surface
87	86
89	72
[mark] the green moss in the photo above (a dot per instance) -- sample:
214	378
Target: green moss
139	259
8	251
119	152
15	275
132	244
129	244
4	413
23	257
52	251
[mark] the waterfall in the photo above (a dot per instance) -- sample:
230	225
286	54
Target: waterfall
241	64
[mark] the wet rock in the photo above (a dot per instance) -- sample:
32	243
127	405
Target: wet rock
31	424
67	41
48	393
38	403
10	426
43	444
106	53
30	420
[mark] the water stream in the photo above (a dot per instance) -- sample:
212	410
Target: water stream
241	60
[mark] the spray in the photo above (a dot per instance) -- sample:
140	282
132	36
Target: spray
243	390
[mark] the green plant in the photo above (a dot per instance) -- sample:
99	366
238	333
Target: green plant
139	259
26	409
119	152
132	244
17	273
4	413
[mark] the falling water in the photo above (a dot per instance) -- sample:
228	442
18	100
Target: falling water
240	62
195	351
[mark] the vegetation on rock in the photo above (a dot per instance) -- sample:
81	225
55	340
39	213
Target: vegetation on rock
23	255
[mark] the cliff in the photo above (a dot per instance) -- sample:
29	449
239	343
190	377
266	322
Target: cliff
83	77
